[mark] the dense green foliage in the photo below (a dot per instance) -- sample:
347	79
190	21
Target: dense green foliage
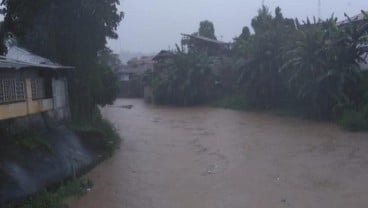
100	126
323	66
260	77
354	121
310	69
71	32
184	79
32	140
235	101
309	66
207	29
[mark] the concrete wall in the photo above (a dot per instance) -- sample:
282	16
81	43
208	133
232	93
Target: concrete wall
61	108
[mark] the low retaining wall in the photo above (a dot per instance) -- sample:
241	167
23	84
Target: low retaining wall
24	172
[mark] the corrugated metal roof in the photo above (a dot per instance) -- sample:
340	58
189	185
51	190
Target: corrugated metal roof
21	54
206	39
162	54
11	64
19	58
359	17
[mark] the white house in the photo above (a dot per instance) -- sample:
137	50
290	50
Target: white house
31	85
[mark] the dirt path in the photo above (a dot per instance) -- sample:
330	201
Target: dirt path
215	158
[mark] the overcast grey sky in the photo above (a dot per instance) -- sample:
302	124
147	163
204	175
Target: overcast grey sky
151	25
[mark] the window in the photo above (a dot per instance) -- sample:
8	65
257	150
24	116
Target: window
12	90
125	77
38	88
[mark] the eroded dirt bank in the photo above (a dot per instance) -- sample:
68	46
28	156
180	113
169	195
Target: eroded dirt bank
214	158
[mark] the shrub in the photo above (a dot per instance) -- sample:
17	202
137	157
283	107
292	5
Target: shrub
99	125
55	199
183	79
32	140
354	121
235	101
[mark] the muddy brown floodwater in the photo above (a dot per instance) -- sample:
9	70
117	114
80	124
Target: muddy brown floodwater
214	158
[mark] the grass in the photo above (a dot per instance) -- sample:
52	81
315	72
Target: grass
32	141
354	121
289	112
235	101
350	120
240	102
103	127
56	198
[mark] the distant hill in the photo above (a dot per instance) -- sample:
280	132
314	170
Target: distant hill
125	56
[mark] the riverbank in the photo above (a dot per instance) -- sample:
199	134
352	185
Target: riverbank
350	120
37	163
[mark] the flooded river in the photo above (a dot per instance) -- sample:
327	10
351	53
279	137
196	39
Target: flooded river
214	158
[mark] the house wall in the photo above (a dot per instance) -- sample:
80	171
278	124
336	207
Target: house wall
13	110
56	108
29	106
61	108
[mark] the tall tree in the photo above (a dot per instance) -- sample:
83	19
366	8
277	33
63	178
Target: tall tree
207	29
260	75
71	32
243	44
183	79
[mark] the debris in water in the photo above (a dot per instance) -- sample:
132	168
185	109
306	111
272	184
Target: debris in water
212	169
127	106
247	147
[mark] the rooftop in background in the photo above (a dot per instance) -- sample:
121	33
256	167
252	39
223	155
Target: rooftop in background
356	18
205	39
162	55
125	69
145	60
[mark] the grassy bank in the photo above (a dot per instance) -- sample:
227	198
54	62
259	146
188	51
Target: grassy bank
351	120
97	135
100	126
235	101
55	197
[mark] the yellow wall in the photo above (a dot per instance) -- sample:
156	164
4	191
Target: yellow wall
14	110
38	106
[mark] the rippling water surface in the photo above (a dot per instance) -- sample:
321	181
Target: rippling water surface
214	158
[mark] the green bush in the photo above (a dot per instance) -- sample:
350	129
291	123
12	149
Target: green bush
354	121
236	101
102	126
55	199
32	140
365	112
184	79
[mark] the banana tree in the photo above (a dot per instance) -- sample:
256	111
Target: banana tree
184	80
323	65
